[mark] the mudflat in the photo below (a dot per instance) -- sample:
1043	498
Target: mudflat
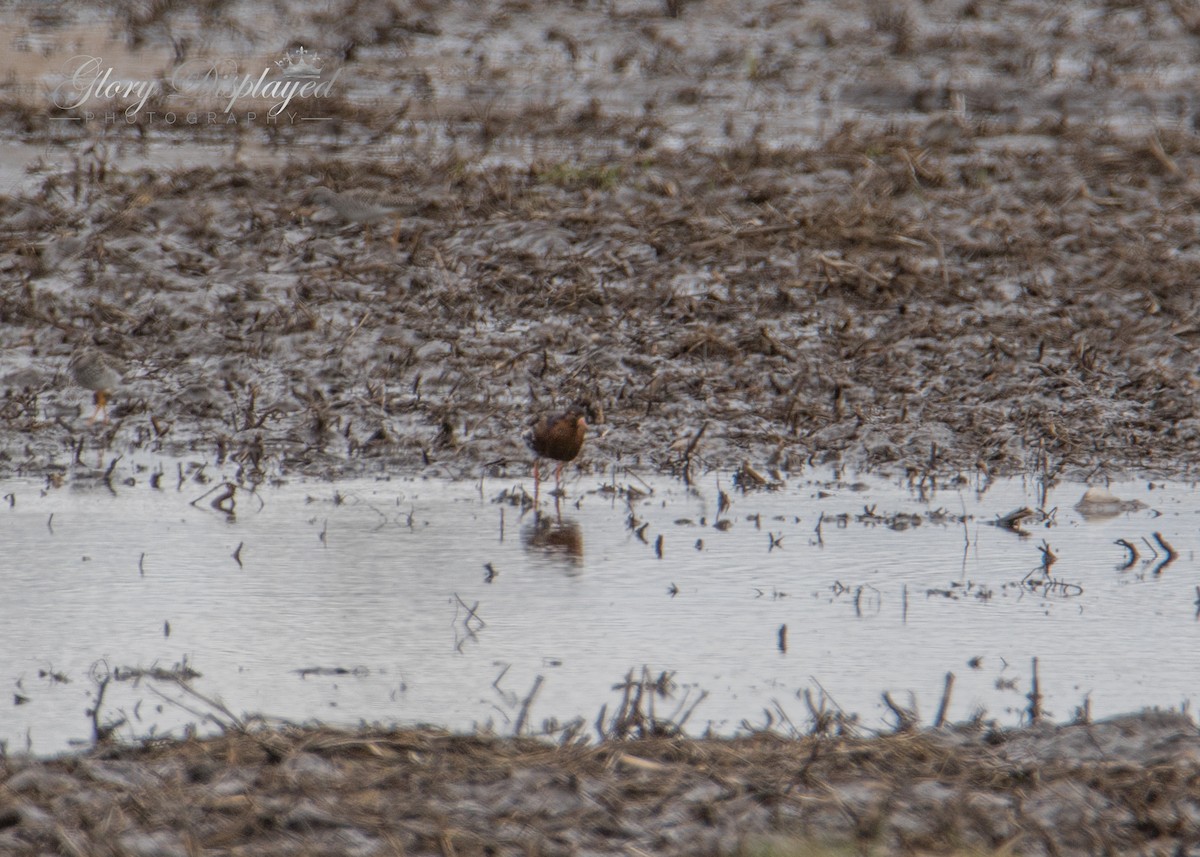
942	239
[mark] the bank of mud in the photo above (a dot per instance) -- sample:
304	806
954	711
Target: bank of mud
865	301
969	278
1127	786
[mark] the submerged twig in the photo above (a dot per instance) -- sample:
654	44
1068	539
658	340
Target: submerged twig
1168	550
232	723
100	734
940	718
906	718
528	701
1034	696
1133	555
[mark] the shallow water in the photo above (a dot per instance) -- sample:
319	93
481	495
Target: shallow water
380	578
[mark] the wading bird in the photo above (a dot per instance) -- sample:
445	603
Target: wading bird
560	438
361	207
95	371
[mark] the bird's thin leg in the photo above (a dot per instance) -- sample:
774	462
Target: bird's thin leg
101	401
536	481
558	479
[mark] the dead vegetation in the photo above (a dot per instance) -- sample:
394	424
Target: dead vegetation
1001	281
817	324
931	239
640	785
421	791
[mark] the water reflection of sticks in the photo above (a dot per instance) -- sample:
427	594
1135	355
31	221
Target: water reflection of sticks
1167	550
357	672
225	501
866	597
524	714
471	623
179	675
1034	696
1050	585
635	715
1168	555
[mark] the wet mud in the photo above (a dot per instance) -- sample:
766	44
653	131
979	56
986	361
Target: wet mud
1121	786
941	239
947	281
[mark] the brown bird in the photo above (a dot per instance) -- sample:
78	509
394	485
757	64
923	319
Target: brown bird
559	437
95	371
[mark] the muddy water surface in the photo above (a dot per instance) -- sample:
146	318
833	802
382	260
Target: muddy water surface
444	602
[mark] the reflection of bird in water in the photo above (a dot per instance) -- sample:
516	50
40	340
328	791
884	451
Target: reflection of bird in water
562	538
559	437
93	370
358	207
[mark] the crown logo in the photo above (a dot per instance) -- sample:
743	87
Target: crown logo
300	63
